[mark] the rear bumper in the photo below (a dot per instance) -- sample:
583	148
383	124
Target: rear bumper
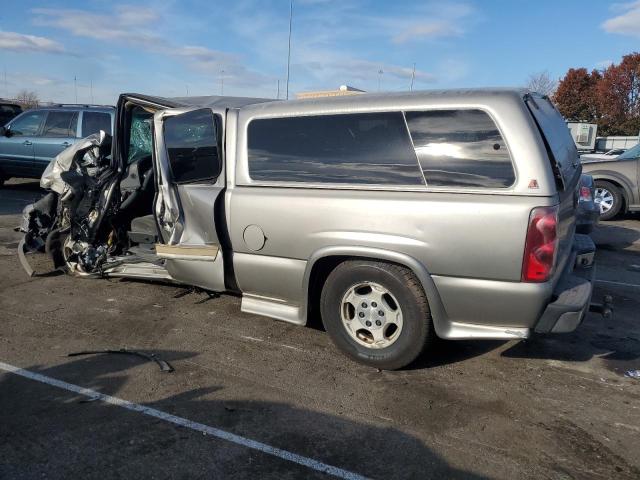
572	295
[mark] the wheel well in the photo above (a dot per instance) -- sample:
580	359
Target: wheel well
622	188
319	273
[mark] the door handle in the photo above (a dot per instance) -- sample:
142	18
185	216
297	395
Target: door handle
26	143
65	144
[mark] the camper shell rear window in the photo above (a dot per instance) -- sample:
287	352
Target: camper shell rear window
561	148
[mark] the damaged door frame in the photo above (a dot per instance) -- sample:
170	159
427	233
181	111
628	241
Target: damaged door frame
191	244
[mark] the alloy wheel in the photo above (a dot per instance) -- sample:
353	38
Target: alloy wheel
604	199
371	315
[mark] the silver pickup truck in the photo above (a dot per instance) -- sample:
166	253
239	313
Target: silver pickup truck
395	218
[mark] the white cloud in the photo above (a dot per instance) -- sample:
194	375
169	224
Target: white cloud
18	42
627	22
429	29
338	45
120	26
128	25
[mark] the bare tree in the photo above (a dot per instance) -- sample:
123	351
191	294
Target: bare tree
28	99
542	83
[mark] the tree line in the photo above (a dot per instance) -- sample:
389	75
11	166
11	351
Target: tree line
608	97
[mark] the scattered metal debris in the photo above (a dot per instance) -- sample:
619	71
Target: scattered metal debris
209	295
632	374
152	357
89	400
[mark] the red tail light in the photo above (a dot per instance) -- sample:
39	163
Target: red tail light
585	194
541	245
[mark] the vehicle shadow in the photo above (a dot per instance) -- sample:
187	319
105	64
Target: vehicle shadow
614	236
446	352
618	347
18	193
47	431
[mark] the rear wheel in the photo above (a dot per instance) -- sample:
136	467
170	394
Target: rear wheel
608	198
376	313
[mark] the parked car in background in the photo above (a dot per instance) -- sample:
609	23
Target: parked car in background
613	153
8	111
395	218
30	140
617	182
588	210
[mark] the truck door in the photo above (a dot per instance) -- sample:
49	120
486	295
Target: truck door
190	181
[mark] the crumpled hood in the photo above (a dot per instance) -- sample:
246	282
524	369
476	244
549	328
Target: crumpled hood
51	178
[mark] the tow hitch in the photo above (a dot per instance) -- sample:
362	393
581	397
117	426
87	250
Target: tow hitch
605	308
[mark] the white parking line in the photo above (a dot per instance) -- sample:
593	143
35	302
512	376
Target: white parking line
183	422
619	283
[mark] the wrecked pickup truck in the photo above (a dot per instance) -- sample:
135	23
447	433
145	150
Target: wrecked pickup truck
395	218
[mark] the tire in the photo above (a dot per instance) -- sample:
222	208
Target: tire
54	247
609	198
402	336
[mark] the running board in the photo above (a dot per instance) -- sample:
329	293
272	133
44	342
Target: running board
271	307
142	270
207	253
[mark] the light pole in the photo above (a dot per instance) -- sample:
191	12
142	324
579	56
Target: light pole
380	72
289	50
413	77
221	82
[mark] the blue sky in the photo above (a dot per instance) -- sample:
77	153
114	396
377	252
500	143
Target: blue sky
174	47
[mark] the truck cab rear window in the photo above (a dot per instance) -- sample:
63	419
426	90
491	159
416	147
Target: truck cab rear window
460	148
359	148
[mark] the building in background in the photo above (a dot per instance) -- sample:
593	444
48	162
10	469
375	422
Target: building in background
584	134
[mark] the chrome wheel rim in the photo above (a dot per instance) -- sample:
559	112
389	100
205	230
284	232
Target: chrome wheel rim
604	199
371	315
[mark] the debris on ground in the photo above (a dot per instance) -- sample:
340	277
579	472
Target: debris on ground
197	290
152	357
632	374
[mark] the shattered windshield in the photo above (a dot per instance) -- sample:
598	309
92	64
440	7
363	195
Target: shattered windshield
140	143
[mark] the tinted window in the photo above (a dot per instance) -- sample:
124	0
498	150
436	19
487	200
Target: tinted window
364	148
10	109
192	146
93	122
27	124
563	150
60	124
460	148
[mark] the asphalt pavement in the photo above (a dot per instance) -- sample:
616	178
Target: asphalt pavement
252	397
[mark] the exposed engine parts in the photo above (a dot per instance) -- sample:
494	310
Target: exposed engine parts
65	222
